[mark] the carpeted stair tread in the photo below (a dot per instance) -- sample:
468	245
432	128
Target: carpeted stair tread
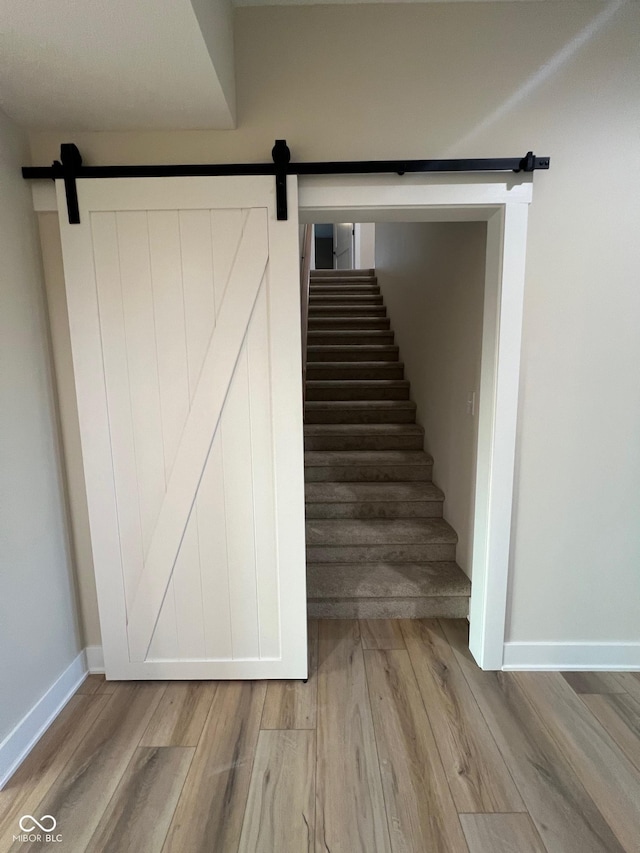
315	405
346	298
363	429
368	286
354	389
353	352
313	458
341	278
361	437
371	492
386	580
350	336
339	311
360	411
330	323
384	531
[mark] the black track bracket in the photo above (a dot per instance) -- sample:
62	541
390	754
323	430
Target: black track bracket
70	166
281	159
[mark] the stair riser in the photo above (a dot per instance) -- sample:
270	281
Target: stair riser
392	553
432	607
368	473
340	276
389	371
363	353
375	509
318	311
323	337
330	324
360	393
355	289
363	442
347	299
359	416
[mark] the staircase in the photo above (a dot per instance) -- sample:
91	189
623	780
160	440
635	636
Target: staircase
377	544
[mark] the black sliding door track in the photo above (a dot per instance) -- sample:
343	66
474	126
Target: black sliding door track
69	168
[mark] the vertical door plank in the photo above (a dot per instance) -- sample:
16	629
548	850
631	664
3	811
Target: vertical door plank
48	759
197	279
381	634
564	814
501	833
180	717
141	343
238	482
350	813
214	567
604	770
82	791
211	807
420	809
140	811
168	301
172	298
477	774
619	715
264	513
226	232
188	595
118	390
293	704
280	808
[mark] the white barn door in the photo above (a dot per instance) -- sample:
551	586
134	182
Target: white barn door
183	300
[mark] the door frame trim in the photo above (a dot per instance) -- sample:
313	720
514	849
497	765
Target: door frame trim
502	201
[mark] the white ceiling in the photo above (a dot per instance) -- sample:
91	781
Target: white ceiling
117	64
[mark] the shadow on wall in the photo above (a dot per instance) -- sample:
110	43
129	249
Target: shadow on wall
545	71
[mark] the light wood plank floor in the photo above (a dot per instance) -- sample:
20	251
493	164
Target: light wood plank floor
397	743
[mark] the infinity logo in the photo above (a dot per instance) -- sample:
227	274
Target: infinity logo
38	823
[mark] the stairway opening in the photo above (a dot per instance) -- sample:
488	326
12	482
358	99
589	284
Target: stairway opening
501	201
378	544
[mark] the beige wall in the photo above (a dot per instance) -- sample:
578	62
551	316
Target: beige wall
39	637
432	279
491	79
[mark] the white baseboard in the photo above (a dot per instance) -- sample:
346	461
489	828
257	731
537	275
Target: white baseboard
572	656
18	743
95	660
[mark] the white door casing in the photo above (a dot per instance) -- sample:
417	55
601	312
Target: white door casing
183	300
